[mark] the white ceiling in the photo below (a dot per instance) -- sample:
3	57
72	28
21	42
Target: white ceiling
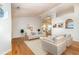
64	9
31	9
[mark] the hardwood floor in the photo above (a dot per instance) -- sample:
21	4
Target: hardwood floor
19	48
73	49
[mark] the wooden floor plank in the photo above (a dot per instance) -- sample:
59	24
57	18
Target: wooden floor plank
20	48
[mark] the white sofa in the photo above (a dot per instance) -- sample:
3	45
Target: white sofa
54	46
32	36
68	40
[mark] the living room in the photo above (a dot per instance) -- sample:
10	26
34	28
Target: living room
43	29
60	19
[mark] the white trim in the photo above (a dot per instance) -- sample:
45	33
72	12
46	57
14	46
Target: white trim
76	40
6	52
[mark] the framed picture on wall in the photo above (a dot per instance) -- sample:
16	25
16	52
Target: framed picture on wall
60	25
55	25
1	12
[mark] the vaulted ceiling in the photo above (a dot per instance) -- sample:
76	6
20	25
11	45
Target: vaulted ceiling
31	9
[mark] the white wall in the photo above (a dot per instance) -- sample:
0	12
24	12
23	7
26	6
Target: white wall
22	23
5	30
74	32
74	15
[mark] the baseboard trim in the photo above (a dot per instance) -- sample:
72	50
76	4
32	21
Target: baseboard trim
16	37
76	40
5	53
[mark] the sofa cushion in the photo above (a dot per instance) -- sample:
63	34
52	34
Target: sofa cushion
59	38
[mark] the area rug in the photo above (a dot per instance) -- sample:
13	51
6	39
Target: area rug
35	46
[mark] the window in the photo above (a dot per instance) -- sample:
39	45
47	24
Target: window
1	12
